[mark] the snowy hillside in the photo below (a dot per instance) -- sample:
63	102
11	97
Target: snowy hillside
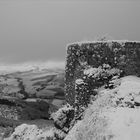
115	115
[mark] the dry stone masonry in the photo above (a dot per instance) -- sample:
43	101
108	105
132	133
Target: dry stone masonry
90	65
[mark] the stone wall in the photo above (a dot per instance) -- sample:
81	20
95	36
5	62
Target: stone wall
123	55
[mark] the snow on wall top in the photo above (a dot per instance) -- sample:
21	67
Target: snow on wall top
106	41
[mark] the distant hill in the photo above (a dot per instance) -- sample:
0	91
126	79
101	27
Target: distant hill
31	94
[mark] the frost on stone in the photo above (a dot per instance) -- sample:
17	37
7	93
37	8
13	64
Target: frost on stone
25	131
63	117
32	132
79	81
106	66
104	71
90	72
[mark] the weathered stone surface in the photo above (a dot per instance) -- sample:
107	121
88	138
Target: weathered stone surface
123	55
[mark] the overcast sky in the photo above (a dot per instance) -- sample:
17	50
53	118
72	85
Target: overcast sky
39	30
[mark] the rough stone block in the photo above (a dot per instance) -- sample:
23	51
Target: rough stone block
123	55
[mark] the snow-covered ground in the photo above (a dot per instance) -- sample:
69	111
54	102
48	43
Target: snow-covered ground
115	115
124	121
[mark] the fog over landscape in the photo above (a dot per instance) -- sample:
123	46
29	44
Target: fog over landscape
69	69
38	31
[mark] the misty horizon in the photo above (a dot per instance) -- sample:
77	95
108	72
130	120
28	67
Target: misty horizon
28	66
39	31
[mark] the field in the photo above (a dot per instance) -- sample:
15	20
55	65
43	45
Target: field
30	97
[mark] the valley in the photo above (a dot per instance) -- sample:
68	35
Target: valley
30	97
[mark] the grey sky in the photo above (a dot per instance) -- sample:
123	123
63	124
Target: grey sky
38	30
